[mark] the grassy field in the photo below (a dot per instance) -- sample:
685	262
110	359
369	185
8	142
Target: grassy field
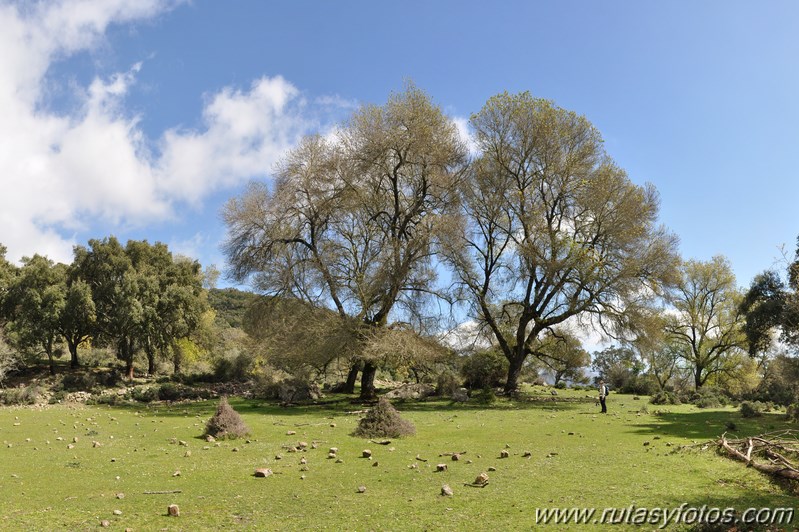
53	477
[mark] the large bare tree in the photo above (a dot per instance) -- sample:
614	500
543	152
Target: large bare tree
551	227
351	220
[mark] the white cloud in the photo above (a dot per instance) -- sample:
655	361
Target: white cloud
245	133
462	125
60	173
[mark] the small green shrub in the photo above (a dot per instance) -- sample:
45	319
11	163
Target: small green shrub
485	369
383	421
110	399
751	409
144	394
21	396
57	397
171	391
79	382
665	398
447	383
486	396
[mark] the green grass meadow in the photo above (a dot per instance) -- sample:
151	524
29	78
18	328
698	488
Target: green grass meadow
579	458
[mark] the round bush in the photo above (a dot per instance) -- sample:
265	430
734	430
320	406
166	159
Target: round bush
485	369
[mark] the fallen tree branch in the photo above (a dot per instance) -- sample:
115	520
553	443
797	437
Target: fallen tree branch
786	470
165	492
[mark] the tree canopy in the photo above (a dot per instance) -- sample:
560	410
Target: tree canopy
551	227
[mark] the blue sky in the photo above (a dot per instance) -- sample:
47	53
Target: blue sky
140	119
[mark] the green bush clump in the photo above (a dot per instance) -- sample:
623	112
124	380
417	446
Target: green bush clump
144	394
752	409
21	396
792	412
447	383
485	369
171	391
383	421
226	422
665	398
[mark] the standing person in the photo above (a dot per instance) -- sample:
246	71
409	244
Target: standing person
603	393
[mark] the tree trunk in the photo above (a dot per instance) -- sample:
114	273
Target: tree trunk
514	370
352	377
151	363
368	391
698	381
73	354
176	365
51	361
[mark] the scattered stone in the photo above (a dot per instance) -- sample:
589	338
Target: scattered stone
105	523
263	472
646	444
366	453
209	438
302	445
183	443
527	454
441	467
235	449
291	432
554	392
332	425
504	454
314	445
187	454
656	438
70	446
481	480
96	444
173	510
117	512
75	439
339	461
176	474
376	464
413	466
291	449
492	468
361	489
446	491
469	462
331	455
303	461
456	457
571	434
120	495
302	477
333	450
278	457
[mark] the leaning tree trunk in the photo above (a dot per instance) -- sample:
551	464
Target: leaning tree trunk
352	377
368	391
514	371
